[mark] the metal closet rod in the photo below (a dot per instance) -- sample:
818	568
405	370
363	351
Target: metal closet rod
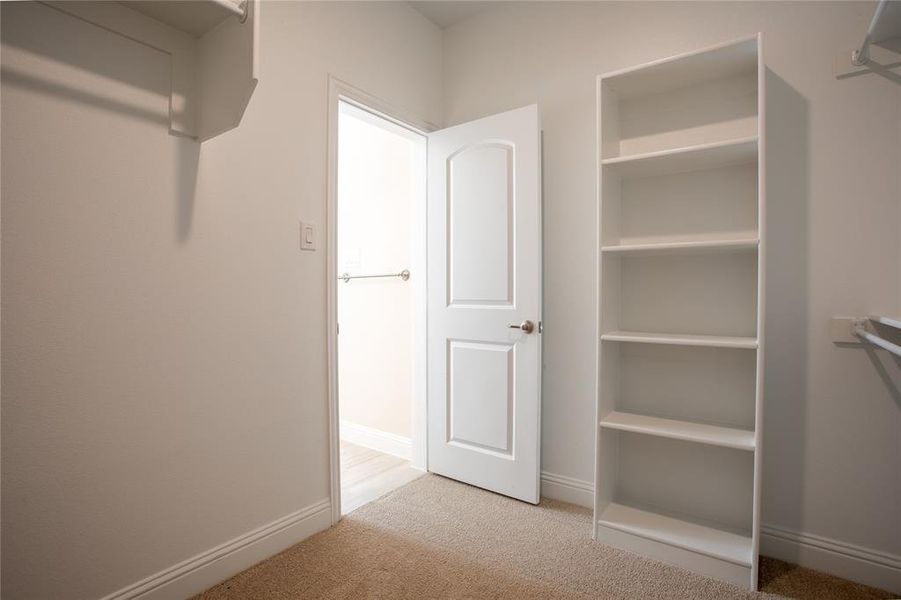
346	277
861	56
239	9
860	331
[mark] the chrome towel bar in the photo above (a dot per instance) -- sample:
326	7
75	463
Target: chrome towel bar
346	277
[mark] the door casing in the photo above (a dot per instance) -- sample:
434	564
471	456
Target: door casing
338	91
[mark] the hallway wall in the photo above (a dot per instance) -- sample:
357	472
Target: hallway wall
379	170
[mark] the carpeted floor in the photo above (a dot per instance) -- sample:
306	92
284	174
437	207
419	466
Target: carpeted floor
437	538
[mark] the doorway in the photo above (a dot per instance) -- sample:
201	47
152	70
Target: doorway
380	195
475	294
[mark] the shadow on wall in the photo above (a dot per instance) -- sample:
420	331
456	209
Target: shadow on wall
888	366
63	45
887	71
188	154
787	200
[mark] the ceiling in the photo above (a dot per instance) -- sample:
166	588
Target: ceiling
446	13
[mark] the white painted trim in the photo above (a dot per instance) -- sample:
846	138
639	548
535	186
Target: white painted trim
375	439
567	489
339	90
849	561
865	565
759	400
208	568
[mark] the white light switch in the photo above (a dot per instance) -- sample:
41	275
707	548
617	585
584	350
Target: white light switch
308	237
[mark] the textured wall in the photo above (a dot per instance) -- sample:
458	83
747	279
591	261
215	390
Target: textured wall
832	454
164	340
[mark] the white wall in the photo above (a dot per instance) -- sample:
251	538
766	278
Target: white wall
164	339
377	184
164	361
832	464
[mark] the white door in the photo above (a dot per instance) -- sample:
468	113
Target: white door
484	279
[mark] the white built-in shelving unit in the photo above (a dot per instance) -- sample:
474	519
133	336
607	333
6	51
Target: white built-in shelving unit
681	216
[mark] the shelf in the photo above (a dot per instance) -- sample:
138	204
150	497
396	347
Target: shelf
704	540
681	203
713	341
726	437
689	158
684	70
194	18
213	48
691	247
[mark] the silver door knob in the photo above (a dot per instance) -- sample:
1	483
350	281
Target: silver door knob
526	326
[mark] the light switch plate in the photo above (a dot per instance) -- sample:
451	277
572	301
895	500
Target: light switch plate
309	238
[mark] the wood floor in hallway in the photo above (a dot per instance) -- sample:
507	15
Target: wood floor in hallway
367	475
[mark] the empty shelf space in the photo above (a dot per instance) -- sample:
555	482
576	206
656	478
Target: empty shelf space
689	158
713	341
683	247
727	437
708	541
685	70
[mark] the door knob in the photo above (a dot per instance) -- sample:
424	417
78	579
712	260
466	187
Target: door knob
526	326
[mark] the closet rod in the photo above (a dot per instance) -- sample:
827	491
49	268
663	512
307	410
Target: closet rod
861	56
862	333
239	9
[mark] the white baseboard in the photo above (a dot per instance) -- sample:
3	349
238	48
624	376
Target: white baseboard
856	563
217	564
375	439
567	489
864	565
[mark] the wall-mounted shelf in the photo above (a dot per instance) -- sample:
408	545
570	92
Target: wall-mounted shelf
214	50
859	330
680	365
880	47
194	18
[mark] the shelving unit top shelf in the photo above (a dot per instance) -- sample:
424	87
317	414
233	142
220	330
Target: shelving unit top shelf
684	70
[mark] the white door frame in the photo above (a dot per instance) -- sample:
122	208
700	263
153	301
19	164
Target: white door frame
341	91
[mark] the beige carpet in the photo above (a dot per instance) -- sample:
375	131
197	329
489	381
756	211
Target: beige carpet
436	538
